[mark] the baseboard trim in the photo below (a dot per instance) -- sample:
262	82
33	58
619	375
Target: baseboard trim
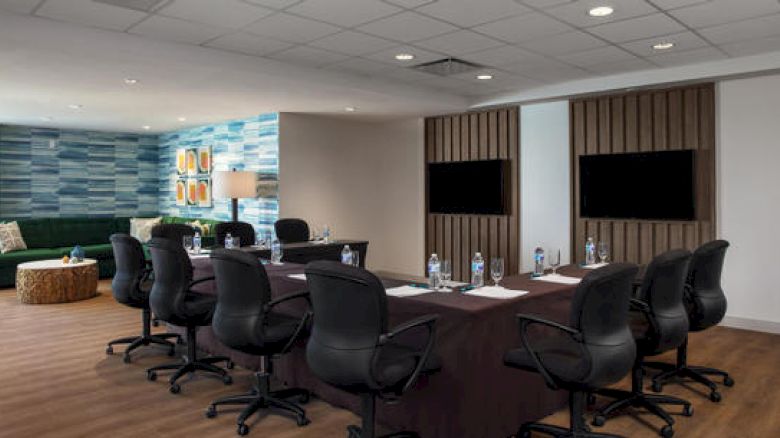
758	325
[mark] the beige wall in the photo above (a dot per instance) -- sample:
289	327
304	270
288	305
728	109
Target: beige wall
364	178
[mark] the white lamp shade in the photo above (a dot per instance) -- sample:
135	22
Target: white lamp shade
234	184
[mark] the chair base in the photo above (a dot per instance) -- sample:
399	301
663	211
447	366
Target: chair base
262	397
559	432
146	338
368	427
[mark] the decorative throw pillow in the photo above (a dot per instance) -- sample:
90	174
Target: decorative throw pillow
203	229
141	228
11	238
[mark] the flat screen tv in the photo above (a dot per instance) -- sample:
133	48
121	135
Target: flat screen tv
653	185
468	187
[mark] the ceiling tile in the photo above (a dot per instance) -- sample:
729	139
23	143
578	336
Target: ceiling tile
273	4
523	28
249	44
752	47
688	57
411	4
347	13
407	27
352	43
173	29
603	55
408	75
674	4
232	14
682	41
743	30
556	75
576	13
358	66
612	68
544	4
89	13
458	43
637	28
308	56
288	27
500	56
564	43
724	11
19	6
421	56
469	13
540	63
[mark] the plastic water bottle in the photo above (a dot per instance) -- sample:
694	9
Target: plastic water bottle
346	255
267	241
276	251
434	272
590	252
538	262
478	270
326	234
196	243
228	241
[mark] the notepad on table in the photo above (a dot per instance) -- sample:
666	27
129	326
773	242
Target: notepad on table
495	292
556	278
301	277
407	291
594	265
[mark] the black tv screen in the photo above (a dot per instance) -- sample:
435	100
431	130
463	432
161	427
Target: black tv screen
468	187
653	185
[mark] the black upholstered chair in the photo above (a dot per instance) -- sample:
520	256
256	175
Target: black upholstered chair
175	232
350	346
247	320
706	306
596	349
173	301
291	230
659	323
130	286
242	230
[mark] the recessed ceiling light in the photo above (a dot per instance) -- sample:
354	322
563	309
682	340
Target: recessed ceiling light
182	119
350	109
146	127
484	77
601	11
663	46
404	56
131	81
75	106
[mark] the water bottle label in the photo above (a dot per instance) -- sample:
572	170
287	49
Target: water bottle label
346	259
433	268
477	267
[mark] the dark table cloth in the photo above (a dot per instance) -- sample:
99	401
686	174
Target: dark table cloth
474	395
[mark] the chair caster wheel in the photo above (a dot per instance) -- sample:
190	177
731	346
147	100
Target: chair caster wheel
172	352
591	399
656	387
211	411
230	365
243	429
303	421
715	396
175	388
599	420
151	376
688	410
110	350
126	358
667	431
227	380
179	341
728	381
304	398
155	322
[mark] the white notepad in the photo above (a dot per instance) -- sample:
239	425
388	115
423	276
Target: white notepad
407	291
557	278
594	266
301	277
495	292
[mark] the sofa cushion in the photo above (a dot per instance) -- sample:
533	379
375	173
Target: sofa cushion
36	232
80	231
100	252
11	238
16	257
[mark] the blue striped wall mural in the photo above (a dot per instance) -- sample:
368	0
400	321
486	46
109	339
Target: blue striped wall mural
68	173
246	144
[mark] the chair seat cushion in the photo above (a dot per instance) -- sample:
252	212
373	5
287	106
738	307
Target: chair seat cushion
396	362
562	357
278	329
198	308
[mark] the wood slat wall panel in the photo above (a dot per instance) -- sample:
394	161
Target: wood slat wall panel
462	137
653	120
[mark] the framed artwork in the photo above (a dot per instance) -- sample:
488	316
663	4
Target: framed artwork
192	161
204	159
192	191
204	192
181	192
181	161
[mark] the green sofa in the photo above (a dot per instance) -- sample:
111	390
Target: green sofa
55	237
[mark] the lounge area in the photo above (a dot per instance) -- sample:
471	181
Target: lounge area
389	218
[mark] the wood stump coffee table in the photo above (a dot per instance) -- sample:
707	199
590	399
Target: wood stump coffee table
51	281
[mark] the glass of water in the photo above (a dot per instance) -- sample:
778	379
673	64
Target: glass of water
603	251
187	242
235	242
554	260
445	270
356	258
497	270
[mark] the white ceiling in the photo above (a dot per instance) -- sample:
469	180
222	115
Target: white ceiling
525	44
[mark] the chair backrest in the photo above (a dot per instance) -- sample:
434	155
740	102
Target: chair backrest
130	269
291	230
350	313
600	311
707	303
242	230
662	289
172	279
175	232
243	290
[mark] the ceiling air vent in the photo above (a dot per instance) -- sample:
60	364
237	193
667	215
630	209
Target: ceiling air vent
136	5
447	67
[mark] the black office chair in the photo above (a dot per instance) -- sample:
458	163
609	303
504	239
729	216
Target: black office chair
246	320
173	301
350	346
242	230
596	349
130	286
706	306
291	230
175	232
659	324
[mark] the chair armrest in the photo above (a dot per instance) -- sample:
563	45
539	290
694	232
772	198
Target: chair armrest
526	320
638	305
301	324
302	294
427	321
201	280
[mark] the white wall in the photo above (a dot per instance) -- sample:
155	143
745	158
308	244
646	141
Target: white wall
365	179
749	199
545	186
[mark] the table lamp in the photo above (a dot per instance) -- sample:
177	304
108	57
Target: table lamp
233	184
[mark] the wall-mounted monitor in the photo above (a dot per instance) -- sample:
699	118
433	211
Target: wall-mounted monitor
653	185
469	187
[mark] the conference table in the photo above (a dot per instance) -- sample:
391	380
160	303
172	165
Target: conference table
474	394
305	252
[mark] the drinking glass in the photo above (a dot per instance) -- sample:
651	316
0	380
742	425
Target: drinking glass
497	270
235	242
603	251
356	258
315	233
445	270
268	239
555	260
187	242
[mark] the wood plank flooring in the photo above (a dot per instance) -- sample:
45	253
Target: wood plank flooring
56	381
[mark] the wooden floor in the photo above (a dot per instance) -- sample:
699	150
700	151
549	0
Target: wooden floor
56	381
